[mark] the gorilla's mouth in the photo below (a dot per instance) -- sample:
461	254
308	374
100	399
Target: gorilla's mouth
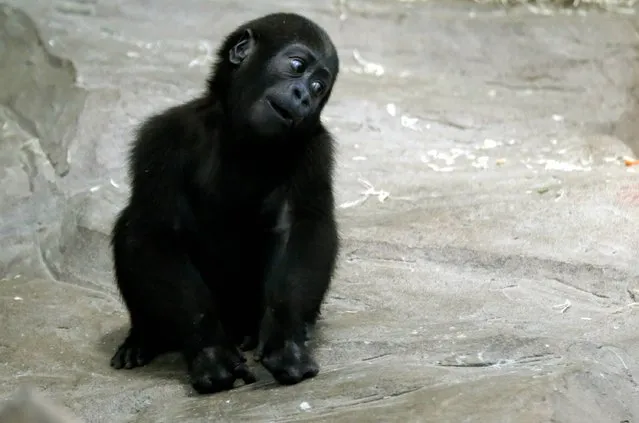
284	114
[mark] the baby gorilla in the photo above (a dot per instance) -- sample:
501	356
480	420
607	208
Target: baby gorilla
228	241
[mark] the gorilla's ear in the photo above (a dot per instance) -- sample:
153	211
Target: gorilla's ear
242	47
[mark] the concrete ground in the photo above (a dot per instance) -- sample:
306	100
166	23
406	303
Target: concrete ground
489	268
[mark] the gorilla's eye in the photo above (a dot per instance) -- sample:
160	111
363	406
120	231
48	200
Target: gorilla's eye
317	87
297	65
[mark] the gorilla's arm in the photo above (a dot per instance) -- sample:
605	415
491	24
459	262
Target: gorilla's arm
302	267
159	165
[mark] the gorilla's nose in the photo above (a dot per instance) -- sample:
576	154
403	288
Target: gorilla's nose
300	99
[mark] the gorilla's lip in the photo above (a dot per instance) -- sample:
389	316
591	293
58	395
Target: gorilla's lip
281	111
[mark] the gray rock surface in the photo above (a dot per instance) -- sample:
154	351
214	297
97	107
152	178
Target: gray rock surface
490	225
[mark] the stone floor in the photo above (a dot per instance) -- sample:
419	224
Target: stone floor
488	272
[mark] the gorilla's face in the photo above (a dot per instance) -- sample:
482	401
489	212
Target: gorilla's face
280	90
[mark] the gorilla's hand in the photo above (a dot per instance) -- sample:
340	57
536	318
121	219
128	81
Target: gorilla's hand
216	368
289	363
